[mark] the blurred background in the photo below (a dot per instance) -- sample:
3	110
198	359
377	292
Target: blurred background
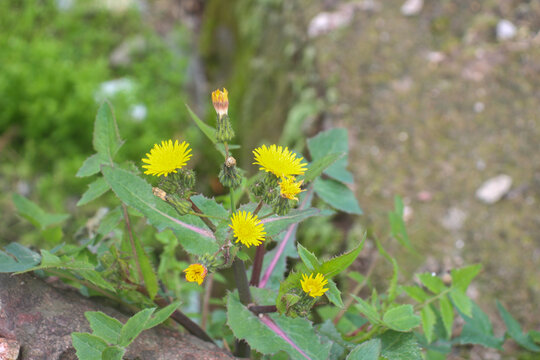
441	100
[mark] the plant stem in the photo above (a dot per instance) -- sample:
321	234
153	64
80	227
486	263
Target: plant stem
257	265
231	196
206	300
132	242
207	221
239	269
258	208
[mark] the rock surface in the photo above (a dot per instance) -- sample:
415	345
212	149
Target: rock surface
41	319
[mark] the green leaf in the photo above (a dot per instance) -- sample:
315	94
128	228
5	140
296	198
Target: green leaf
369	350
134	326
397	224
416	293
428	322
368	310
113	353
331	142
432	282
137	193
461	278
461	301
106	137
95	278
17	258
337	264
273	333
328	332
88	347
149	276
447	315
91	165
308	258
399	346
478	330
37	216
110	220
276	224
337	195
316	167
333	294
104	326
535	336
50	261
401	318
162	314
514	330
95	190
392	287
207	130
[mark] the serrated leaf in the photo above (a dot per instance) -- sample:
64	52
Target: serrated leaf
113	353
331	142
91	165
432	282
17	258
447	315
106	139
428	322
337	195
416	293
134	326
104	326
401	318
95	190
50	261
339	263
273	333
137	193
88	347
514	330
461	278
397	224
333	294
461	301
149	276
369	350
207	130
276	224
317	167
162	314
478	330
308	258
399	346
37	216
368	310
95	278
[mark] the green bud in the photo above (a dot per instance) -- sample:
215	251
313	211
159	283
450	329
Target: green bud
183	206
258	189
281	205
170	183
296	303
270	196
224	130
271	180
186	179
229	175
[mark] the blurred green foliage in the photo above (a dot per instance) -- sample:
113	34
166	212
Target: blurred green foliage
54	63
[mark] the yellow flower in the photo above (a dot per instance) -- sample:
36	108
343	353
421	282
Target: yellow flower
196	273
314	286
289	188
167	158
279	161
247	228
220	100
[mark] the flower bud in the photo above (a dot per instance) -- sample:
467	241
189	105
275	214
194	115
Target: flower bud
224	130
229	175
220	100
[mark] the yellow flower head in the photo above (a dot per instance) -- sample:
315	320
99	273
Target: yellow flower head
279	161
247	228
196	273
220	100
289	188
167	158
314	286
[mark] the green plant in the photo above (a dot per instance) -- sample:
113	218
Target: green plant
289	288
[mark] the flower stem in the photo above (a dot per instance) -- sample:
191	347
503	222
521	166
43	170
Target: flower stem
257	265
